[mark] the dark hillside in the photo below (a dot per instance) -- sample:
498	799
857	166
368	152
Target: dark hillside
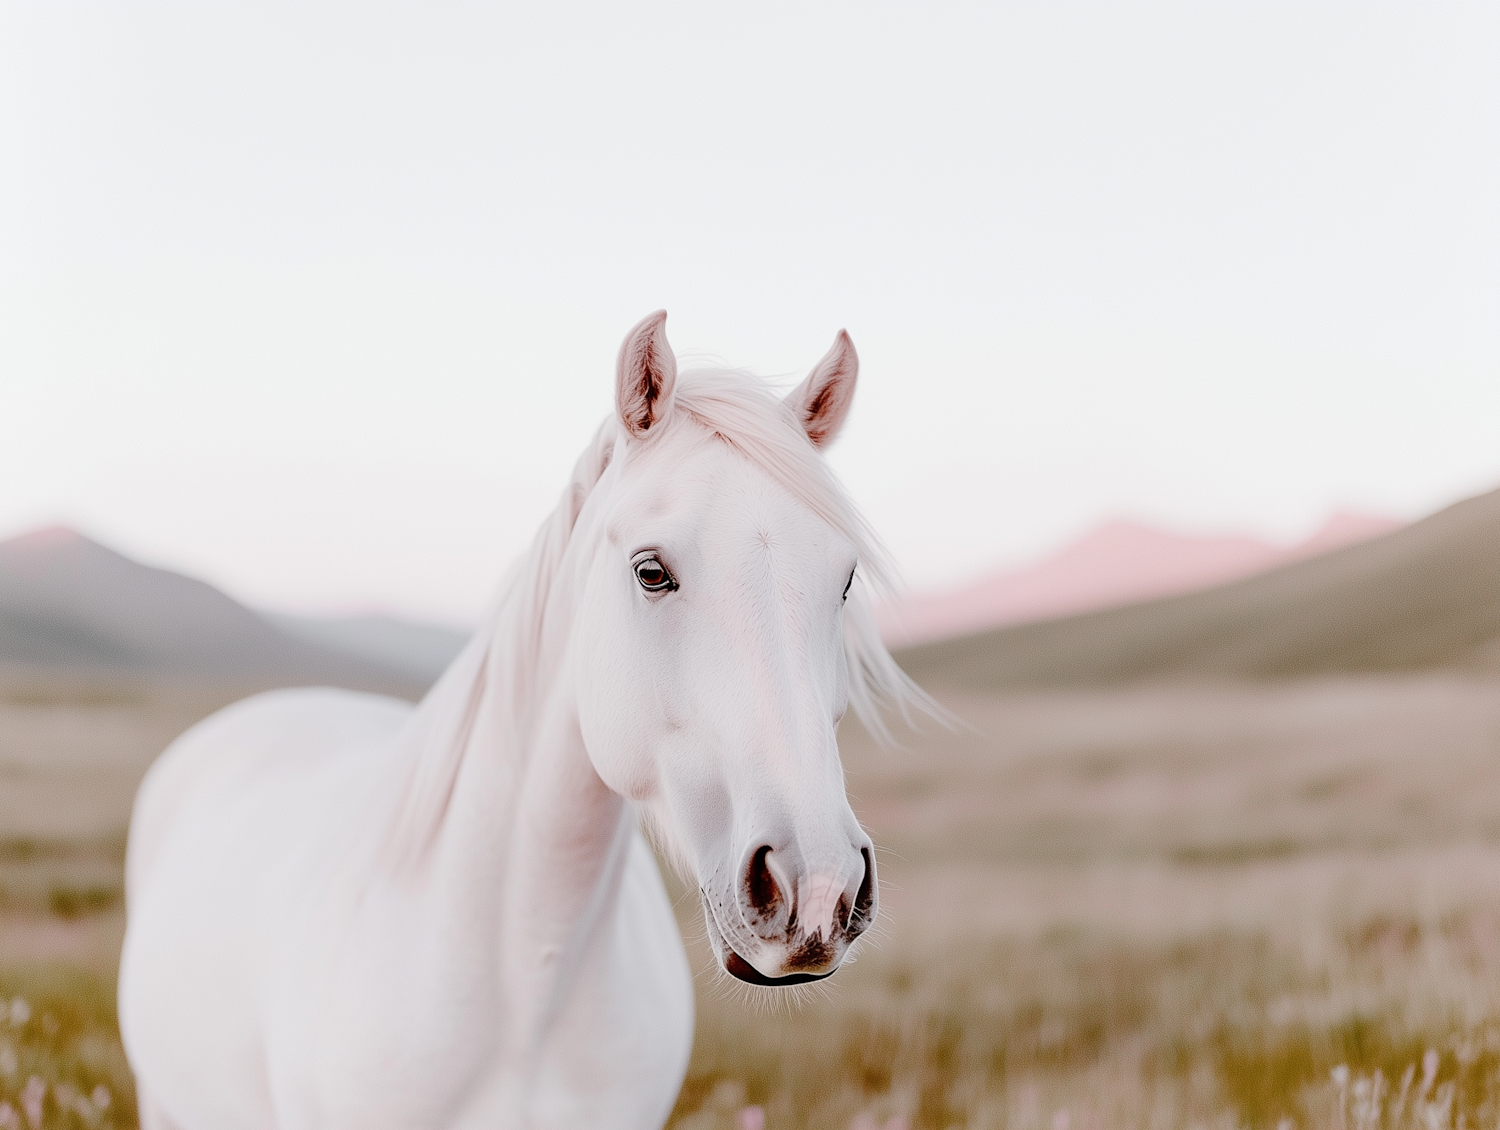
68	604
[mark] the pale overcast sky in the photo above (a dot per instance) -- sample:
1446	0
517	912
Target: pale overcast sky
320	302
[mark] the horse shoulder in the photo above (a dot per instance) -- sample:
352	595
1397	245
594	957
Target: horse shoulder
220	823
251	736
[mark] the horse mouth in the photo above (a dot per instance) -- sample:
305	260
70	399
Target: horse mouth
736	966
740	969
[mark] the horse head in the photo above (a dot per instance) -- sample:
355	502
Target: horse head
722	631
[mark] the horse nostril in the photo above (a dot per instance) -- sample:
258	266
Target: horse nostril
864	900
760	884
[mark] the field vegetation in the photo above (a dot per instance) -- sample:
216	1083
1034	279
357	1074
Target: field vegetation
1170	906
1164	907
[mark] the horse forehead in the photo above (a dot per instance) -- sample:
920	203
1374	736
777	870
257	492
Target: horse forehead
713	494
755	514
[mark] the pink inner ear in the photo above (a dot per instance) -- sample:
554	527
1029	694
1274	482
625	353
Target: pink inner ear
829	391
647	371
648	386
816	413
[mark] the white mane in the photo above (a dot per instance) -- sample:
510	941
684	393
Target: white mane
505	656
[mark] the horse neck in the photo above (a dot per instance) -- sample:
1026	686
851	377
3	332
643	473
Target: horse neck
525	790
497	692
503	813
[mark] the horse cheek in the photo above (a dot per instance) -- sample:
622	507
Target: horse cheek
614	715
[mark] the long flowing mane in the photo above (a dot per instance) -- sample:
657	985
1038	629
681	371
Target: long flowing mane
504	657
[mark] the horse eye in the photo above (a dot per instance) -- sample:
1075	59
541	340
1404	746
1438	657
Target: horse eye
848	585
653	575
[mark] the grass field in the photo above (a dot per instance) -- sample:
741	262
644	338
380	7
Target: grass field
1164	907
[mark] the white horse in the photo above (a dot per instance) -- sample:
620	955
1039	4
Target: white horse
349	914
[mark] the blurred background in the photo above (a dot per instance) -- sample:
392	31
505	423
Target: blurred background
1178	408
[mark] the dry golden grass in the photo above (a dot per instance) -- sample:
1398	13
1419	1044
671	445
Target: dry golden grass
1218	1030
71	755
1165	907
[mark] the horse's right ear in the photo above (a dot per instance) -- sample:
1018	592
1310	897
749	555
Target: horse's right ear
645	376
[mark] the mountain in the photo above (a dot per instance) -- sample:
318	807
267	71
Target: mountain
1426	595
71	604
422	651
1118	563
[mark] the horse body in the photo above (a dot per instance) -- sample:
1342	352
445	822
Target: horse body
348	913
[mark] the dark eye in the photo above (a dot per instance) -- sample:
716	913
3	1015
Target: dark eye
653	575
848	585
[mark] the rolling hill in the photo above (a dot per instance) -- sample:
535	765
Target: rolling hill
69	604
1427	595
1117	563
422	651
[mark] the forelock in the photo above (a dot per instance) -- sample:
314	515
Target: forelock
745	411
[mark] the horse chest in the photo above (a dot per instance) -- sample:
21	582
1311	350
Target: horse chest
408	1026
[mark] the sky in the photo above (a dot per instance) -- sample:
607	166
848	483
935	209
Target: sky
321	302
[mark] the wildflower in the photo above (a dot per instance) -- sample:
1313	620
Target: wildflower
70	1098
1369	1097
752	1118
101	1097
1400	1107
1340	1077
1438	1114
31	1101
9	1119
20	1012
8	1062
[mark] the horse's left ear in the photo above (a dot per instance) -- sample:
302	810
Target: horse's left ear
822	401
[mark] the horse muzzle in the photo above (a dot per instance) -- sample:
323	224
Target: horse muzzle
788	925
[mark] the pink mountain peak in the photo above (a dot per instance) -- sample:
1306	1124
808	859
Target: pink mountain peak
1343	528
47	547
1114	564
48	537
